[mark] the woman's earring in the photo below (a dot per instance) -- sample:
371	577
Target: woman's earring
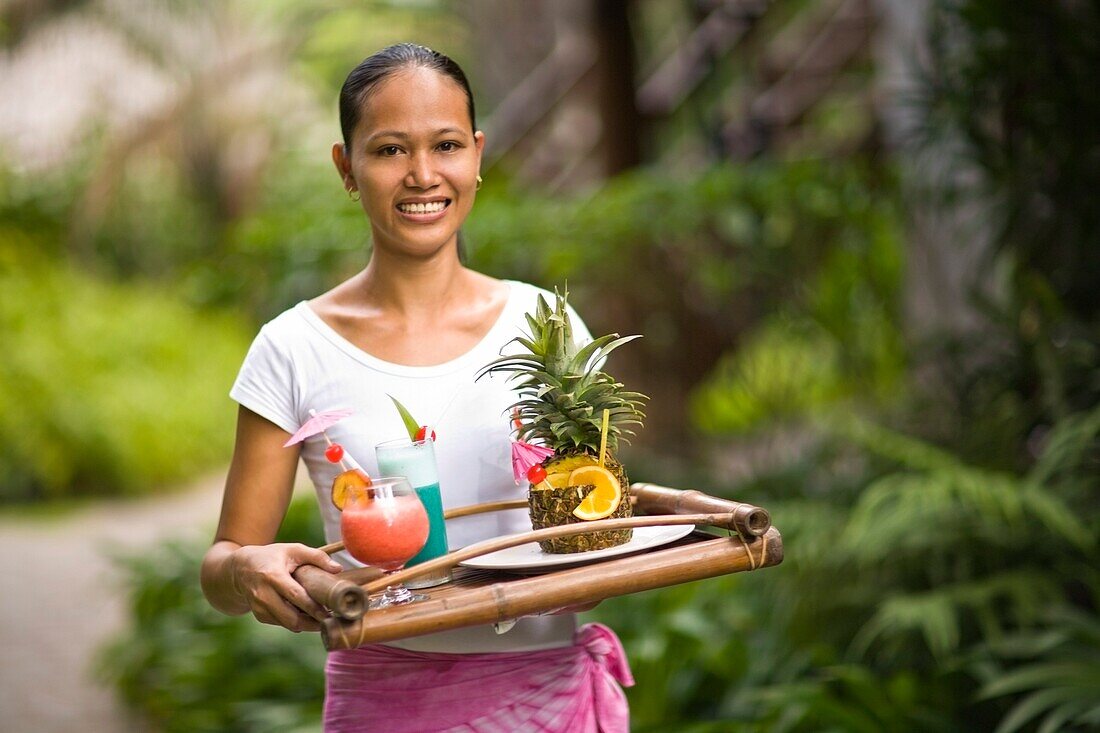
478	186
353	194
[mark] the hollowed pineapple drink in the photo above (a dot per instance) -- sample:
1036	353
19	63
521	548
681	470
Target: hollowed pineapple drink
567	404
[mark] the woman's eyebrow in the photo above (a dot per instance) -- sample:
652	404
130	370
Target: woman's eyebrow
405	136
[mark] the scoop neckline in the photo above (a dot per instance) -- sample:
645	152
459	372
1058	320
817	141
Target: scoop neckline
432	370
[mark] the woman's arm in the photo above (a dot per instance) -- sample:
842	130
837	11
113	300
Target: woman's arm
243	571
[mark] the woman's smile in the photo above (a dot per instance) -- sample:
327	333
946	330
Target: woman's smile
423	211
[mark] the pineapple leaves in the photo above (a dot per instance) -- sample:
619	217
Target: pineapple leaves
598	350
562	393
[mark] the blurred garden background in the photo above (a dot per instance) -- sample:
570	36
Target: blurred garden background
861	240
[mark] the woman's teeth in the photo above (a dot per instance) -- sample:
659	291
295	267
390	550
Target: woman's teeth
429	208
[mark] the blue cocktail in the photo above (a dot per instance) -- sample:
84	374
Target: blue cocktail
415	460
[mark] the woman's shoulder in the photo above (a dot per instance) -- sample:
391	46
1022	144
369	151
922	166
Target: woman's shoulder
287	328
289	320
526	290
523	296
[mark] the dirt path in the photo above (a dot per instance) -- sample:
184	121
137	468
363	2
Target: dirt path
59	599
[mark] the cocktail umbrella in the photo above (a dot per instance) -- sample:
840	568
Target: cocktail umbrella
318	423
525	455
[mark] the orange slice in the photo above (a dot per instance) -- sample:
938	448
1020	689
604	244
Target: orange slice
604	497
345	484
558	480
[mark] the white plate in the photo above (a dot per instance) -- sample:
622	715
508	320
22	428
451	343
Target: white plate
530	558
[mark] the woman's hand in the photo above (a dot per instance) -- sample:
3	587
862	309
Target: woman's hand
263	576
243	571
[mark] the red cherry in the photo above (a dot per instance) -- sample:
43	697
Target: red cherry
536	474
422	433
334	453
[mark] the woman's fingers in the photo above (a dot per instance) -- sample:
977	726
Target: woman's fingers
297	595
299	555
270	607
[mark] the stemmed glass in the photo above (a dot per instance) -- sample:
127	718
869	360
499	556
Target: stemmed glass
385	525
415	460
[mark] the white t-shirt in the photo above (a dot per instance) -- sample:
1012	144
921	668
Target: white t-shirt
298	363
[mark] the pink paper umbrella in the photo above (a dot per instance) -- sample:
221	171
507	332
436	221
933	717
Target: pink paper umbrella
318	423
525	455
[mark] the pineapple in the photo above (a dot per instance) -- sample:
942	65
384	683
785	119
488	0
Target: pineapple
563	396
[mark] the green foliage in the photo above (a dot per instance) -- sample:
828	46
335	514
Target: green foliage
840	339
1060	676
757	228
338	35
190	669
106	389
305	236
909	577
1014	80
1008	88
779	373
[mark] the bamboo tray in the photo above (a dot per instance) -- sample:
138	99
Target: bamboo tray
479	596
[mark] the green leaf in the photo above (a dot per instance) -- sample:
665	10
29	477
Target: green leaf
1055	721
1039	675
406	417
1033	705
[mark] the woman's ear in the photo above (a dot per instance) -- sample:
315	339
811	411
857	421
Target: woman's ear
343	164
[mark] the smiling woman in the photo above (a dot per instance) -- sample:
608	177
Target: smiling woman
416	169
416	324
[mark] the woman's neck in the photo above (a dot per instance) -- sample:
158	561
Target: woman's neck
417	313
414	289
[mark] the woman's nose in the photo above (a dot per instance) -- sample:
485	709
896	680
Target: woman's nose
422	173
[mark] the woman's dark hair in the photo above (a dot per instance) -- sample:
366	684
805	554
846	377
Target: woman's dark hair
375	69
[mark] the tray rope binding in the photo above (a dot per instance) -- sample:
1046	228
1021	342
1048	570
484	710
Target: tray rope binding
753	562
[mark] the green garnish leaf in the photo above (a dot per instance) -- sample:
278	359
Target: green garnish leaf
406	417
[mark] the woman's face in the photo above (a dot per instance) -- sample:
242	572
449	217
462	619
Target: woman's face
415	160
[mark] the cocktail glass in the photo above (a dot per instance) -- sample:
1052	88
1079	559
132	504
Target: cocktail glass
384	525
415	459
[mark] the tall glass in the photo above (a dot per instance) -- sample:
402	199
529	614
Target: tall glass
384	525
416	461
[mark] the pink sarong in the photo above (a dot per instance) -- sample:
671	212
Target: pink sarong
573	689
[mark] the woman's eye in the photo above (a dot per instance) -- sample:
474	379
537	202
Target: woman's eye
448	146
389	150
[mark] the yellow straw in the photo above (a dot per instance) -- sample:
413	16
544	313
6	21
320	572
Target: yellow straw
603	435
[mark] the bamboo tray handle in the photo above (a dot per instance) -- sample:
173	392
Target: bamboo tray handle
502	600
749	520
489	506
478	549
341	596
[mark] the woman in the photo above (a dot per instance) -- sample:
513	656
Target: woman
415	324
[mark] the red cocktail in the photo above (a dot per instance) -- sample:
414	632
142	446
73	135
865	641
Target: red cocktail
385	525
